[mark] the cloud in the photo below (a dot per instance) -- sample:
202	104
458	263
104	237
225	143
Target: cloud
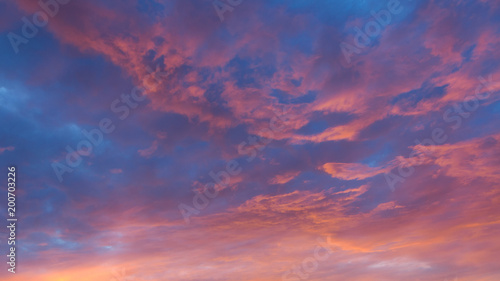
8	148
149	151
352	171
221	84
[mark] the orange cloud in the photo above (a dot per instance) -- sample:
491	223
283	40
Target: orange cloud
352	171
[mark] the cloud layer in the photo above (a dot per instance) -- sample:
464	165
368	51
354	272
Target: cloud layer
269	92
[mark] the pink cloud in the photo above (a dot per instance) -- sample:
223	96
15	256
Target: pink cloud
8	148
149	151
352	171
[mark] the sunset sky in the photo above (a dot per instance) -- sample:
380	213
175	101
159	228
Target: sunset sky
256	140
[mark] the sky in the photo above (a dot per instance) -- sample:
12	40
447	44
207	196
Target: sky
257	140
